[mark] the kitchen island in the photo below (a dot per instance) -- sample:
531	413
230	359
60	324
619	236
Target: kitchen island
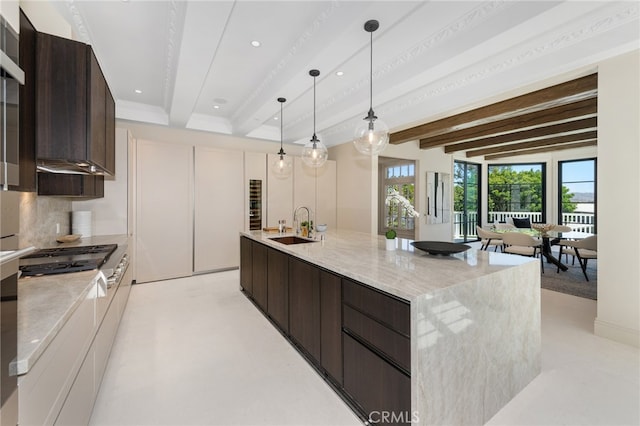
447	339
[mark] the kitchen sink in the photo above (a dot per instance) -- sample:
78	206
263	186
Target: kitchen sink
291	239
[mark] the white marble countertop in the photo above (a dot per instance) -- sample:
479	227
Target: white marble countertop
46	303
9	255
406	272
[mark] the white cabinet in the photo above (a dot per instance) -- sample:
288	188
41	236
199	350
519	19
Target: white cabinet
190	209
62	385
279	196
326	198
218	208
164	210
43	390
316	189
304	185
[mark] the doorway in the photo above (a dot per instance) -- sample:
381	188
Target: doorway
466	200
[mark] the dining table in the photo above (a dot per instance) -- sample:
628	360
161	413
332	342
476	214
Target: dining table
549	239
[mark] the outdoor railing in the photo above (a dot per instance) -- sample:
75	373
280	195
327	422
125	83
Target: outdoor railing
582	222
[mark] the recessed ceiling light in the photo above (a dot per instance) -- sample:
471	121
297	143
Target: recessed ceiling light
138	91
216	107
339	73
275	118
255	43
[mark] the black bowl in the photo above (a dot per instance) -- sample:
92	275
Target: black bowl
440	247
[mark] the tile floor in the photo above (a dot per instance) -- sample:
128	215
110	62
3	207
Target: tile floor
195	351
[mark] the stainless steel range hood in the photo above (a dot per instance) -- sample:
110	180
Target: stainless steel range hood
70	167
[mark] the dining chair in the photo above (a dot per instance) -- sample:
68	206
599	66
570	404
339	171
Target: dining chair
488	238
523	245
563	228
583	250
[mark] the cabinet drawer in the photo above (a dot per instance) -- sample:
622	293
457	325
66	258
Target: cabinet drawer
374	384
392	312
393	344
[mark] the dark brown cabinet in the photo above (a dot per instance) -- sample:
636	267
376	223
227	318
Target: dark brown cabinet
75	118
259	274
374	384
377	350
71	108
331	324
27	132
357	337
246	265
278	288
304	306
86	186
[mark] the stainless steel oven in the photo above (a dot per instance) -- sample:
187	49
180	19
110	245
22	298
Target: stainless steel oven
11	77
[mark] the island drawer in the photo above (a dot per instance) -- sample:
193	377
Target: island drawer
392	312
374	384
392	344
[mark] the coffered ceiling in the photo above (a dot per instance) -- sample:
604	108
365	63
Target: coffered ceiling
195	67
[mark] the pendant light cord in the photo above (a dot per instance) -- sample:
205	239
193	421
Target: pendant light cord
281	127
371	73
314	107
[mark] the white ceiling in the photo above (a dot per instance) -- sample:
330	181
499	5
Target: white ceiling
429	58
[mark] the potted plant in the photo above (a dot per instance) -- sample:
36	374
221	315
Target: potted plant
305	227
390	236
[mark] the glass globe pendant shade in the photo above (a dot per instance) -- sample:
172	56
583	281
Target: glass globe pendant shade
282	166
314	153
371	136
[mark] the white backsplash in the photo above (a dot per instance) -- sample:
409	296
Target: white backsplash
40	217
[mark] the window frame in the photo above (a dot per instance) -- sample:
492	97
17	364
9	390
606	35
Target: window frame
383	164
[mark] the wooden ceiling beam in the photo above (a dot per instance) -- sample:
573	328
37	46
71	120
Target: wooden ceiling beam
559	91
555	140
585	124
541	150
563	112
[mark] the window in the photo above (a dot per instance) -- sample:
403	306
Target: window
577	194
466	200
516	190
401	176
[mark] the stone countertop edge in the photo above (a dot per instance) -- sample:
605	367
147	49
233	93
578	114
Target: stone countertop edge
406	272
47	302
8	256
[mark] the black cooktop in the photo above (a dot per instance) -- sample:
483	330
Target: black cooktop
61	260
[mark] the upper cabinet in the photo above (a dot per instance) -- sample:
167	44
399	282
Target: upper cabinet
27	129
75	111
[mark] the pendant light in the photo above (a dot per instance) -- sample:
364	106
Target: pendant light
282	165
314	153
372	134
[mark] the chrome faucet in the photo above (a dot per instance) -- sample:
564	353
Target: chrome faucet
296	222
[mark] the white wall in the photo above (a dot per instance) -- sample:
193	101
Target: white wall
619	199
358	187
45	18
357	178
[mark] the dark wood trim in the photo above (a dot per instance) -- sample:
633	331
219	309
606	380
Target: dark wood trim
541	150
554	140
564	112
559	91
